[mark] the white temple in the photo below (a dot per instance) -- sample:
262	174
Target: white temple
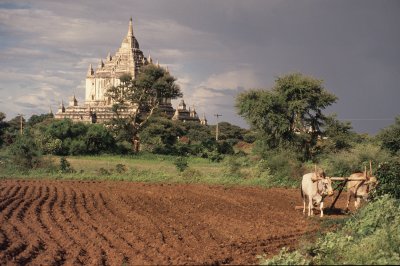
97	107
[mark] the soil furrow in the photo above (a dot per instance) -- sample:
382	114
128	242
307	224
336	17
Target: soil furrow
88	235
90	252
115	223
113	256
54	253
34	243
13	202
70	251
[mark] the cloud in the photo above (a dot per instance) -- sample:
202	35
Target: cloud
23	52
218	92
215	48
245	78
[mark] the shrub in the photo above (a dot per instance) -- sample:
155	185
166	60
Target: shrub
215	156
285	258
103	171
371	236
181	163
24	152
390	137
347	162
250	137
77	147
224	147
232	166
65	166
120	168
191	175
283	164
123	147
388	175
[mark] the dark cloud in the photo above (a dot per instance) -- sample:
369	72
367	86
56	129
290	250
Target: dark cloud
351	45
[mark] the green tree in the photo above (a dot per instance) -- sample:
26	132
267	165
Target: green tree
35	119
228	131
98	139
63	137
160	135
390	137
3	126
290	114
337	135
24	152
146	91
13	129
196	132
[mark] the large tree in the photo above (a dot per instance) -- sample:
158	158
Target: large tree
152	85
290	114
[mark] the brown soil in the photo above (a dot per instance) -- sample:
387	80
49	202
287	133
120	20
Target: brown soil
112	223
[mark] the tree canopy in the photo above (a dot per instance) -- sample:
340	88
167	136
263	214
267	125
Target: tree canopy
152	85
290	114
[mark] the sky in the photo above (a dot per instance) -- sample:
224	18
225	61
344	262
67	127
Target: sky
215	48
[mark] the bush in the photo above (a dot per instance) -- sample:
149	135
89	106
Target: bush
103	171
390	137
123	147
120	168
77	147
224	147
372	236
24	153
191	175
388	175
283	164
250	137
181	163
232	166
347	162
65	166
285	258
215	156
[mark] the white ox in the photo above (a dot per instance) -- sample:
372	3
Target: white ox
360	189
314	187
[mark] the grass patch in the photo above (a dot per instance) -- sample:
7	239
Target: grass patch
145	167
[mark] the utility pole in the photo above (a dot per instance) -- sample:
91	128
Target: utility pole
217	129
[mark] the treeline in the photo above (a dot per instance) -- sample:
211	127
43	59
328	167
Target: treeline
160	135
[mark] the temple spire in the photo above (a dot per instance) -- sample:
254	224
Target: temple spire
130	28
90	71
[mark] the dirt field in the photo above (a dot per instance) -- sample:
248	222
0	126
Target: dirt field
112	223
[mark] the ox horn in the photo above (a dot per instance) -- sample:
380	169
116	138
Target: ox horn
315	177
365	172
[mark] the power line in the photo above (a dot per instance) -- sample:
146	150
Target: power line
368	119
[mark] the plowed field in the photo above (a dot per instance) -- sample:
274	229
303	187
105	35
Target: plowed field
111	223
